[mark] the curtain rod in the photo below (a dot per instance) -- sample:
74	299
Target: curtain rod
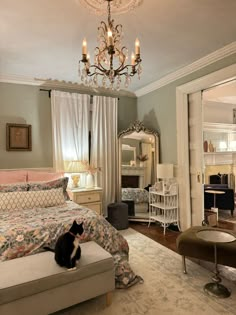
45	90
49	93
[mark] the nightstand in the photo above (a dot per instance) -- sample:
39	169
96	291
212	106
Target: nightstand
88	197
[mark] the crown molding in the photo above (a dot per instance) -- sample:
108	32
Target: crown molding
57	84
196	65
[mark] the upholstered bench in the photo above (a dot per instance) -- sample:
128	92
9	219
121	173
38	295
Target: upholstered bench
36	285
188	244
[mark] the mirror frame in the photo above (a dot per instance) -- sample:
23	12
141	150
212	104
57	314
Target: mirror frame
129	148
136	126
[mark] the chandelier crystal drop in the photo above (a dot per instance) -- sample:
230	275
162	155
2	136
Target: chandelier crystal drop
110	58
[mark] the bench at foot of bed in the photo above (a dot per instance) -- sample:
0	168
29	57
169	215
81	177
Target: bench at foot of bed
37	285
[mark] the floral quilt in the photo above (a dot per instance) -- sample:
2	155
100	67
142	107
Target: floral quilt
25	232
138	195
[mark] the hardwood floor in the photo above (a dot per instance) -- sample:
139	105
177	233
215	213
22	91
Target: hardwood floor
155	232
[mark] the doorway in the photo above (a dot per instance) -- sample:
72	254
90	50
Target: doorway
187	206
219	150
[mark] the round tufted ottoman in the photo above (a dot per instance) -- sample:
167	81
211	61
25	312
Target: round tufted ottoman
188	244
118	215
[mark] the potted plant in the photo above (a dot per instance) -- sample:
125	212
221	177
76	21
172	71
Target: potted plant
142	158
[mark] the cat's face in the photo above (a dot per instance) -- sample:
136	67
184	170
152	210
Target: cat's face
77	228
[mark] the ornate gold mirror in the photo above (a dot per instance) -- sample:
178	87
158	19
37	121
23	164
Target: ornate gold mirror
138	157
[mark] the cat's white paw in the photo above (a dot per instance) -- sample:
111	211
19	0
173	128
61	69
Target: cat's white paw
74	268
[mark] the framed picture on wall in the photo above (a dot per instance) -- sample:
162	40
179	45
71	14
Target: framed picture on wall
18	137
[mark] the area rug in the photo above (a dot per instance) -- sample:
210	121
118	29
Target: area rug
166	290
225	215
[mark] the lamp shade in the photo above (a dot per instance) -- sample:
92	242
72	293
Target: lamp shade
165	170
76	166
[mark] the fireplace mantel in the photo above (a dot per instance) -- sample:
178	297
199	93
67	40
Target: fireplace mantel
128	170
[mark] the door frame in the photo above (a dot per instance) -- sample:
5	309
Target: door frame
182	93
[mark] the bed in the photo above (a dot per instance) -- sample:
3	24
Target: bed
140	197
24	230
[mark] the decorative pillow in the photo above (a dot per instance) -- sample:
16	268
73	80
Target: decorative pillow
58	183
11	188
9	177
38	176
31	199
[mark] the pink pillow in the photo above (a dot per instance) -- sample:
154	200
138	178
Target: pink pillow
38	176
10	177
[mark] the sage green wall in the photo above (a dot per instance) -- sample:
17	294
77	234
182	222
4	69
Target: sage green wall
26	104
127	112
157	109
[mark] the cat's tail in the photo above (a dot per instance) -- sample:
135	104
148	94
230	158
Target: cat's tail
49	249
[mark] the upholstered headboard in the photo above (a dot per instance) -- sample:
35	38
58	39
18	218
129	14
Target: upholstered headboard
28	175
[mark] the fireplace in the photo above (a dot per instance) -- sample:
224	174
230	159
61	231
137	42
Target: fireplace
130	181
132	176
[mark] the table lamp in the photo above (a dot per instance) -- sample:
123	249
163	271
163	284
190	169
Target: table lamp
165	172
75	167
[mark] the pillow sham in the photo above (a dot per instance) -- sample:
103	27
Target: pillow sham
31	199
12	188
57	183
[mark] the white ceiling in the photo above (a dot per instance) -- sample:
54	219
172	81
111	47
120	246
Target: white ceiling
42	38
222	94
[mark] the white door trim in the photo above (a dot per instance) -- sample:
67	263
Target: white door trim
182	135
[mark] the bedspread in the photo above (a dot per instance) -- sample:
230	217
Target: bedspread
25	232
138	195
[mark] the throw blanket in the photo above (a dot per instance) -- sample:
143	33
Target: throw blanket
138	195
25	232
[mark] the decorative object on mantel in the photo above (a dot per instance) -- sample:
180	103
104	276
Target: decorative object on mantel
234	115
211	147
205	146
142	158
18	137
110	57
132	163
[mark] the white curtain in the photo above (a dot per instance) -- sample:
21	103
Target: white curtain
147	149
70	127
104	152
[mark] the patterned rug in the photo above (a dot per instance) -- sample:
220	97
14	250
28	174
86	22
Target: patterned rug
166	290
225	215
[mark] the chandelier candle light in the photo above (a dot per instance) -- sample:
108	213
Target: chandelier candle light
110	58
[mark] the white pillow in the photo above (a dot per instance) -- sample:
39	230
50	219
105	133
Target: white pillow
31	199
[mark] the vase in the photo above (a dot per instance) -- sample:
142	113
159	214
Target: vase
205	146
89	181
141	164
211	148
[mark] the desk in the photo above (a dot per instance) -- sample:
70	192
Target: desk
215	288
215	192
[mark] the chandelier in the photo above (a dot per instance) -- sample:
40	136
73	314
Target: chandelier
110	58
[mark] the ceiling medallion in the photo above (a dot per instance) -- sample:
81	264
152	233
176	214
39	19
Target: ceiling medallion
99	7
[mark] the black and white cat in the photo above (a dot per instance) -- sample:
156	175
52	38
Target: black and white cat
67	249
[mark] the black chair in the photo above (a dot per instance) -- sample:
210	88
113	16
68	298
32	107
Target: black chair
223	202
